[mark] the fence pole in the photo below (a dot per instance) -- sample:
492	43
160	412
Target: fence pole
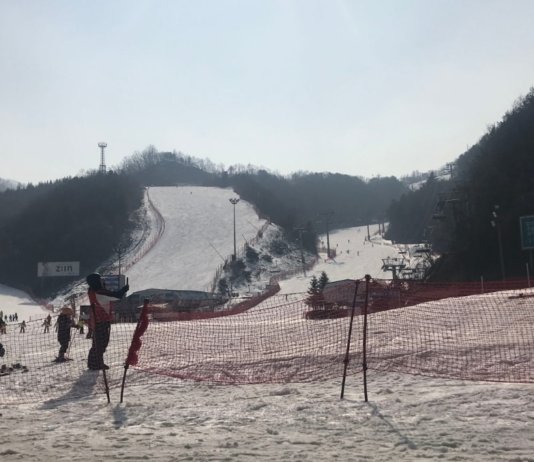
530	262
528	276
346	360
364	348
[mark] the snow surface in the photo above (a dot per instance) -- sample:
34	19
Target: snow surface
198	237
407	418
14	301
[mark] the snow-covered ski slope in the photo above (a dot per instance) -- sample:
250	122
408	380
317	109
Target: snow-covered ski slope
355	257
16	301
191	229
197	237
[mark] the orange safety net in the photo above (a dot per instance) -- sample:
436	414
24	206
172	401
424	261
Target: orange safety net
463	331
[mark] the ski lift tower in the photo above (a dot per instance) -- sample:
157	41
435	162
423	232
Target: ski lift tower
393	264
102	145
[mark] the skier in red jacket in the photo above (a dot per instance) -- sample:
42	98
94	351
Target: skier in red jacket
100	299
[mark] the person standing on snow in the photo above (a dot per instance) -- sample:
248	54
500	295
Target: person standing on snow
47	323
100	320
64	323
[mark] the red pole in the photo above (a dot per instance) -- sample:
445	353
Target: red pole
142	324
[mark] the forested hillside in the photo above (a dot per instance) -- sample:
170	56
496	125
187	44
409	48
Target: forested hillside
469	216
75	219
7	184
317	201
87	218
313	202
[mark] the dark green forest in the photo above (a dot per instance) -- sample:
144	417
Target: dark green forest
289	201
74	219
88	218
477	210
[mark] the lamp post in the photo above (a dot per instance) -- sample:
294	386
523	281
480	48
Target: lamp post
327	216
495	222
234	201
300	230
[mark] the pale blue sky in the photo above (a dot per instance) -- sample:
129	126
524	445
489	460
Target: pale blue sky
359	87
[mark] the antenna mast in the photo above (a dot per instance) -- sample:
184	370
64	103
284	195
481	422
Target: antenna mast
102	145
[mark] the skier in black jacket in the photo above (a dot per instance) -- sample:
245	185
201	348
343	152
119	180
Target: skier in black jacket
64	324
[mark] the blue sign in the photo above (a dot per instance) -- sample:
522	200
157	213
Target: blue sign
526	224
114	281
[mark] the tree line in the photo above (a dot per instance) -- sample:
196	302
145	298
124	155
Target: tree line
473	217
74	219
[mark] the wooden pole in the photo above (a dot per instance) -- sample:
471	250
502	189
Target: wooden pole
346	360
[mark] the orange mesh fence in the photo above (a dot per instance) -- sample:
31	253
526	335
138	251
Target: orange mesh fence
29	373
270	342
463	331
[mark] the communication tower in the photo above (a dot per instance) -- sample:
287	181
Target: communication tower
102	145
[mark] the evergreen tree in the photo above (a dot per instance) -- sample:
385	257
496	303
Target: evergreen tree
315	295
313	288
251	254
223	286
323	280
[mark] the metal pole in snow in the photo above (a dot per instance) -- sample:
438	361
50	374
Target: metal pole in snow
346	360
234	201
364	364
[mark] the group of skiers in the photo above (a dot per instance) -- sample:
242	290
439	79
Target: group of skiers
4	319
9	317
100	319
99	323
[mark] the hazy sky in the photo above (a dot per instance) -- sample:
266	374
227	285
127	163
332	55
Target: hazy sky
359	87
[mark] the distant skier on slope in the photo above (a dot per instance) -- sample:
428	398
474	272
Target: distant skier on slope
47	323
100	318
